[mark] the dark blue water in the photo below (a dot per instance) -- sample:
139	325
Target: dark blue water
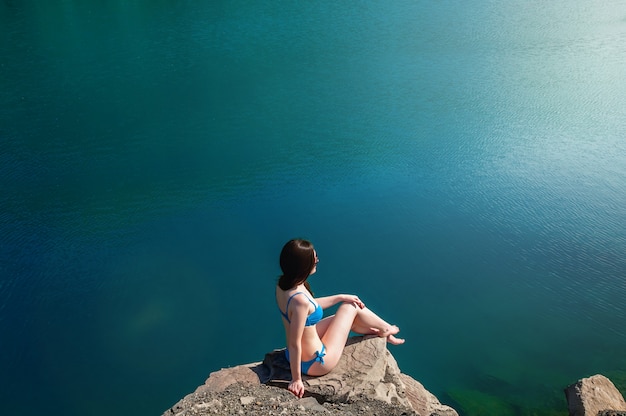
461	167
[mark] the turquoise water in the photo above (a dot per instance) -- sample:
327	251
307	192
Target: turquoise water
459	165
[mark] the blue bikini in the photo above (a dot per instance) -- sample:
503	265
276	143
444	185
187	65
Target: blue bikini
311	320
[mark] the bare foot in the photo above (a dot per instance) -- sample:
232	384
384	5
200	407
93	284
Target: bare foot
394	341
385	332
389	333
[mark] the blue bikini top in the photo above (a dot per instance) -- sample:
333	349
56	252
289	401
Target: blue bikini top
312	319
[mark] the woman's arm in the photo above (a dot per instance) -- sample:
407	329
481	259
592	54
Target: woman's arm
328	301
299	309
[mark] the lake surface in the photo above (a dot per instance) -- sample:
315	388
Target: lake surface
459	165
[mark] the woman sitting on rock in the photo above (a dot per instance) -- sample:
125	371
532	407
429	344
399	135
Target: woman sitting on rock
314	345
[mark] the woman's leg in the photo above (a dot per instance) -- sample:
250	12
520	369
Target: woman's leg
365	322
334	332
368	323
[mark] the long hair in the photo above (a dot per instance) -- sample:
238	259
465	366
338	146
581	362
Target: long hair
297	259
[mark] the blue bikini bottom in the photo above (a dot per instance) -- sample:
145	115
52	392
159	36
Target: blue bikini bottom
306	365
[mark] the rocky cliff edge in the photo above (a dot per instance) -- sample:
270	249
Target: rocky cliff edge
367	380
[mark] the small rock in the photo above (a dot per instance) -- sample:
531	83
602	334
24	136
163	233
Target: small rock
590	396
246	400
309	403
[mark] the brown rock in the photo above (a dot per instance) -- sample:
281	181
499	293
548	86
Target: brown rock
590	396
218	381
366	368
423	401
367	375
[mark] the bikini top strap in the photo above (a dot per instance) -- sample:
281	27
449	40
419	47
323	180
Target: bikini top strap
289	301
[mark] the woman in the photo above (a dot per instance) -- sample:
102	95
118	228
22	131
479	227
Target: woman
314	345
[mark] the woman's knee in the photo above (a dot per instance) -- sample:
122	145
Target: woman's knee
348	308
349	305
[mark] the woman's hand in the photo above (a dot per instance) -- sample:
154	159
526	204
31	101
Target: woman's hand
354	299
297	388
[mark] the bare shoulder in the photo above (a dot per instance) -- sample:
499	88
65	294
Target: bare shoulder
299	300
293	297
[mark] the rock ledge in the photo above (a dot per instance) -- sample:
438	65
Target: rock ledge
367	380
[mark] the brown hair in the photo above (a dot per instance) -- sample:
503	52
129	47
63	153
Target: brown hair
297	259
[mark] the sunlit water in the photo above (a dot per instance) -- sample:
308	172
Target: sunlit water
459	165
